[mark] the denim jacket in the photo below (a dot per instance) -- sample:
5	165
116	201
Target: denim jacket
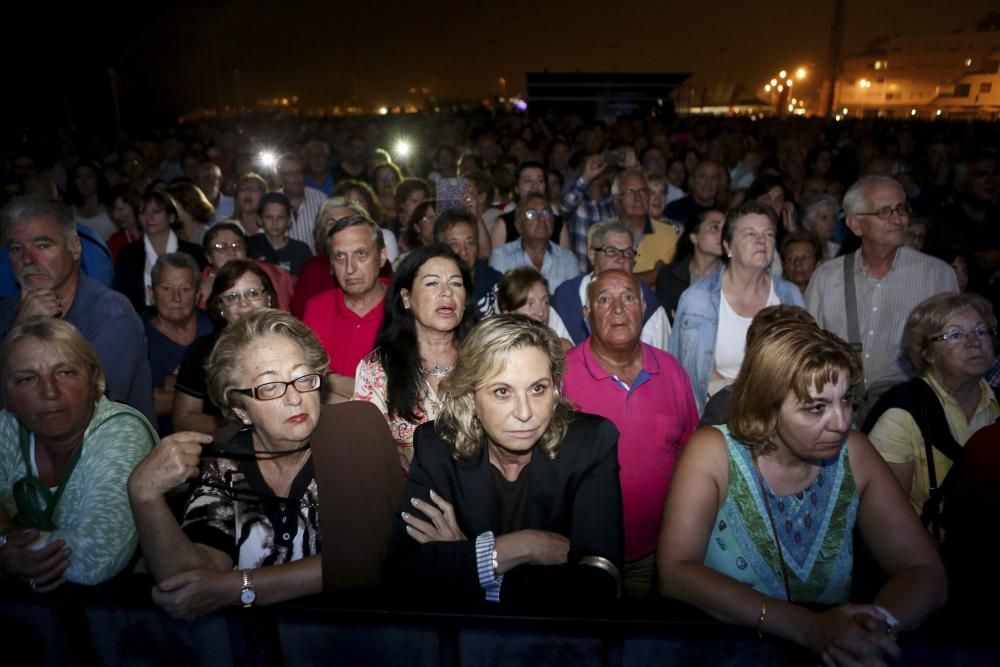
696	326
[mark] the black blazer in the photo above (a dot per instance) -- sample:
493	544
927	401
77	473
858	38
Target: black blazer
132	263
578	495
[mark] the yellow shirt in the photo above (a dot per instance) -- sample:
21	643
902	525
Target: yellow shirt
660	245
898	439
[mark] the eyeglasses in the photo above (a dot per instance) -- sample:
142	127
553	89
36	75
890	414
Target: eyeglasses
611	251
540	213
253	295
235	245
885	212
956	336
271	391
636	193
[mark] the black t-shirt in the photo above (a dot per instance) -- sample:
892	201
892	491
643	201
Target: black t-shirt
192	378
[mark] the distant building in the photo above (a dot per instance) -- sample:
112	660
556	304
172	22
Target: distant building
601	94
955	74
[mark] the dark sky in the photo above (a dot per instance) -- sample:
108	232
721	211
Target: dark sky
167	54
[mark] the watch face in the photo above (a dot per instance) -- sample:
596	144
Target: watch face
248	595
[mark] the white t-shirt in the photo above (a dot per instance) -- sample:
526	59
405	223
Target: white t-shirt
731	338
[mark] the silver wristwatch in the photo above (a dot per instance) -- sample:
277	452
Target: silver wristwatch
248	594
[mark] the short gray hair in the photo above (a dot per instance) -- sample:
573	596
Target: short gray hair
225	364
616	185
175	260
856	198
26	208
816	203
598	231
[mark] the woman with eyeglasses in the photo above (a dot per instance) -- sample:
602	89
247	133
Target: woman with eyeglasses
65	454
134	269
225	242
240	287
418	230
713	315
919	425
250	530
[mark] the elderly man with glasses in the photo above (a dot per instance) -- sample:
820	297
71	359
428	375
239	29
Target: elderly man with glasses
655	241
865	297
534	247
610	247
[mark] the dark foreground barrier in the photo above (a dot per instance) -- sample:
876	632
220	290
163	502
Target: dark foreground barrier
120	626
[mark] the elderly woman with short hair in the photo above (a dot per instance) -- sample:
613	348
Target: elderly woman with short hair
175	323
948	341
819	216
511	496
250	532
713	315
65	454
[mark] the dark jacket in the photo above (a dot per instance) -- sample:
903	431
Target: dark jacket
132	264
577	495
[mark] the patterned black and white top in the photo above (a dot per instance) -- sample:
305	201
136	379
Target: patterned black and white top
232	509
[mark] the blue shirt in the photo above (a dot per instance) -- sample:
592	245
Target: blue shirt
165	356
559	264
109	323
95	261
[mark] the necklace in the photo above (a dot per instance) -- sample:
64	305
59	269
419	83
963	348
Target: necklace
774	530
438	371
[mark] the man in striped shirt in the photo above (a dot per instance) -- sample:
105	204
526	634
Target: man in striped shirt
889	280
306	201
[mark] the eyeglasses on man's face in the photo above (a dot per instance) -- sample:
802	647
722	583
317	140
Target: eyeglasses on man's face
885	212
611	251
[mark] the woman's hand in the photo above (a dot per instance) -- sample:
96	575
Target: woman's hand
442	527
42	569
195	593
170	463
851	635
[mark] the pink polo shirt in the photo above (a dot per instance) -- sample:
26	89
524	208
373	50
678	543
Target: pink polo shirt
654	416
345	336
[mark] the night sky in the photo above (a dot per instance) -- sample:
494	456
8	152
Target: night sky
167	57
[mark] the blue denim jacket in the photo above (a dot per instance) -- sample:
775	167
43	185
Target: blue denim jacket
696	325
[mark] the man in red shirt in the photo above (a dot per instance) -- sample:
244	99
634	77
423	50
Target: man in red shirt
346	318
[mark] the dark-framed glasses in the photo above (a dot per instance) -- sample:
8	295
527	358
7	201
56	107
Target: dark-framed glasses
611	251
252	295
270	391
885	212
956	336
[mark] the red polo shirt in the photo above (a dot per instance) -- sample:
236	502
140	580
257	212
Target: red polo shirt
345	336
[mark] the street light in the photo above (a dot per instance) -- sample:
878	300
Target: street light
800	73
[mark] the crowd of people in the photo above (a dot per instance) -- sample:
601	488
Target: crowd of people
545	311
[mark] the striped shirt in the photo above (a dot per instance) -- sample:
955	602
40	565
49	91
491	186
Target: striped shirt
883	306
304	217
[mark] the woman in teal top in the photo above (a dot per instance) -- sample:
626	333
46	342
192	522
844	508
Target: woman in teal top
66	452
760	514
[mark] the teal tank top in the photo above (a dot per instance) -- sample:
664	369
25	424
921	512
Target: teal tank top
814	526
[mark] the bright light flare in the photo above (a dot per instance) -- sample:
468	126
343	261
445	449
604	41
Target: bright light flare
403	149
267	159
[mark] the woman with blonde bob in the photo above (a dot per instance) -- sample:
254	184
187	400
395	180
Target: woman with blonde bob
760	513
511	496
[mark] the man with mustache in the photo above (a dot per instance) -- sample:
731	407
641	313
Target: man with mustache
44	251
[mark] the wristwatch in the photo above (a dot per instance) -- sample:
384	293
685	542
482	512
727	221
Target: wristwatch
248	594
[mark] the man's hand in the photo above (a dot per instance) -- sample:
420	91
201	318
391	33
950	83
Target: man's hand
40	302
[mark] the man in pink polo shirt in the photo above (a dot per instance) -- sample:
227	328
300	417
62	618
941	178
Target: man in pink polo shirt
346	318
647	395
